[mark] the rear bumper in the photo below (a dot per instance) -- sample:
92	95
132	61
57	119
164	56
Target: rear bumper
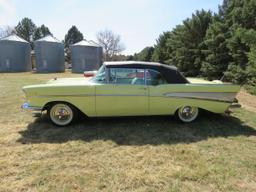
36	111
235	106
232	106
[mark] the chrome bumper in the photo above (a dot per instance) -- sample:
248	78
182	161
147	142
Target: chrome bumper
36	111
234	106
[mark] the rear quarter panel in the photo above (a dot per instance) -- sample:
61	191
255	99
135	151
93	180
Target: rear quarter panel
166	99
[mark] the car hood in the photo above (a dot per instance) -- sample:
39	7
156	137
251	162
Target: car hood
61	82
68	81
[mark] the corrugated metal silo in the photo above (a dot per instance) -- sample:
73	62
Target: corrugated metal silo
14	54
49	54
100	50
86	56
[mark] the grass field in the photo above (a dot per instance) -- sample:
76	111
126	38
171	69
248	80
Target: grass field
216	153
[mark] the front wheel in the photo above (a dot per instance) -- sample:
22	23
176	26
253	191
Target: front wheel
187	114
61	114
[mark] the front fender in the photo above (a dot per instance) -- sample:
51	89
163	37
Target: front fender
80	96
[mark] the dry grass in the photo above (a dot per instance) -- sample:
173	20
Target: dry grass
247	100
216	153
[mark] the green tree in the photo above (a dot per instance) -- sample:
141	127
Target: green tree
41	32
240	18
161	50
217	53
239	12
73	36
145	54
242	69
129	58
26	29
187	43
213	46
238	51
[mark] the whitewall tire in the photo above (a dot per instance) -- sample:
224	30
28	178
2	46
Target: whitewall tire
61	114
187	114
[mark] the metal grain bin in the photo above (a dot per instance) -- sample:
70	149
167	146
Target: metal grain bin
86	56
49	53
100	50
14	54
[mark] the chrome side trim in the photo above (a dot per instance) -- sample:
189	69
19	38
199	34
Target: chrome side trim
71	95
212	84
122	95
91	95
216	100
215	96
209	96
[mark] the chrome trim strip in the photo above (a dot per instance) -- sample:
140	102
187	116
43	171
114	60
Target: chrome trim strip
212	84
209	96
217	96
71	95
124	95
90	95
204	99
199	92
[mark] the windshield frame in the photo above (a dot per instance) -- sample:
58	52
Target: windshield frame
96	78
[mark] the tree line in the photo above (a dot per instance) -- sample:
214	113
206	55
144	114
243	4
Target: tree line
211	45
26	29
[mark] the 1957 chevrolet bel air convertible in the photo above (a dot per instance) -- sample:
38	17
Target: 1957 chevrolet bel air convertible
129	89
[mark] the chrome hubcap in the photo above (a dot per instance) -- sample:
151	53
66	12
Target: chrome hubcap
61	114
188	113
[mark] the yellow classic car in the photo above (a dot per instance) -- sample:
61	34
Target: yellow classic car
129	88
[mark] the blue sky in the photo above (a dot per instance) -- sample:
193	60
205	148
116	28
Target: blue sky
139	22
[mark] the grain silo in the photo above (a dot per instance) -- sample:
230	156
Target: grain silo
14	54
85	56
100	50
49	54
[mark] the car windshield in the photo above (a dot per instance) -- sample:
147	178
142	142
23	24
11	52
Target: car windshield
100	76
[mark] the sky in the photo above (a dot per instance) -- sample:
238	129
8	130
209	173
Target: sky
138	22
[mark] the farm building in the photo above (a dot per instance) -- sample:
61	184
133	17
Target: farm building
49	53
14	54
86	56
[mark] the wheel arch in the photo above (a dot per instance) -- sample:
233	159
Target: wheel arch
213	107
50	103
200	109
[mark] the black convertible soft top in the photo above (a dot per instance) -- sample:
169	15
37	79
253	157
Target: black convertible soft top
170	73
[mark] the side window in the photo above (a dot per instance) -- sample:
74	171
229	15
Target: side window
126	76
155	78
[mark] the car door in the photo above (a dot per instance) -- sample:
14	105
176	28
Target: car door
125	94
159	104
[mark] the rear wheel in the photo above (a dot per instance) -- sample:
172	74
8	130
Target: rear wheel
62	114
187	114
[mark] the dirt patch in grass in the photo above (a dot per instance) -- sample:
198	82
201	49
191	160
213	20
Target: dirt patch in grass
247	100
